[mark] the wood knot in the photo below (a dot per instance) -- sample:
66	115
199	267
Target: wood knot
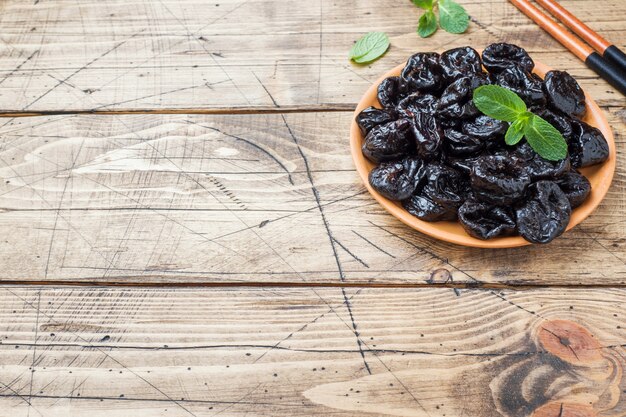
569	341
440	276
557	409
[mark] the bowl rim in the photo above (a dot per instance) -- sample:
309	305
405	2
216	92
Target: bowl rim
598	192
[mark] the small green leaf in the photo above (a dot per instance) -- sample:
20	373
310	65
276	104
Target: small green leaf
427	25
424	4
515	133
499	103
370	47
452	17
545	139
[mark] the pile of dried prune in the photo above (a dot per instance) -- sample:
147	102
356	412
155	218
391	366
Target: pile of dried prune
444	160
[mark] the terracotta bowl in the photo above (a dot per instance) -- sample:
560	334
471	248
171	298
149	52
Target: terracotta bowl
600	177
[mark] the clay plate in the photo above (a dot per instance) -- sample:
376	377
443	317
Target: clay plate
600	177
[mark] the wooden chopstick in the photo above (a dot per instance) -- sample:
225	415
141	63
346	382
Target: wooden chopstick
609	72
600	44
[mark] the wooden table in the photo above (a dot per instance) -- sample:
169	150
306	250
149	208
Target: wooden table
184	233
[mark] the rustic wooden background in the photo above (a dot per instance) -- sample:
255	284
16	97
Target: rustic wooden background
184	233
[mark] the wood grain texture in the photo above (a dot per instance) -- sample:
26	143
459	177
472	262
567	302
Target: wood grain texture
313	352
269	196
265	198
190	54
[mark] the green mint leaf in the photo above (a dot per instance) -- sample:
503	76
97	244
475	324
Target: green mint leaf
515	133
370	47
545	139
424	4
427	25
499	103
452	17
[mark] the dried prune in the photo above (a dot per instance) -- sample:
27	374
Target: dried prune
445	186
417	103
524	84
545	215
499	180
398	180
462	165
371	116
499	56
484	221
388	142
486	128
459	144
460	62
389	92
587	145
424	208
575	186
539	168
456	100
428	136
564	94
423	73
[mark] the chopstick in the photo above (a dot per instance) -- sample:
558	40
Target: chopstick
600	44
609	72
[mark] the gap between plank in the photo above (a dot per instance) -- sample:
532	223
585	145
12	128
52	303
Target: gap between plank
278	284
344	107
330	108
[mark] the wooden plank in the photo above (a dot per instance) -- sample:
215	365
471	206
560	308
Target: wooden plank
254	198
427	352
175	54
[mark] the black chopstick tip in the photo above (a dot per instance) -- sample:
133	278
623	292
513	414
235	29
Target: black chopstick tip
608	71
616	56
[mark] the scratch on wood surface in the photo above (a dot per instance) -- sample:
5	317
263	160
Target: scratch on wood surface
17	68
64	80
374	245
356	258
37	308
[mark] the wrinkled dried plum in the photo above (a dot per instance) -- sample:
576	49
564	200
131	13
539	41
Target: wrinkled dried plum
462	165
445	186
539	168
460	62
389	141
389	92
484	221
575	186
398	180
424	208
459	144
486	128
587	145
428	136
417	103
499	56
371	116
524	84
564	94
546	213
456	100
423	73
499	180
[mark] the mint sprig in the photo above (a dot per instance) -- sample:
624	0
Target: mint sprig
369	47
424	4
503	104
427	24
452	17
